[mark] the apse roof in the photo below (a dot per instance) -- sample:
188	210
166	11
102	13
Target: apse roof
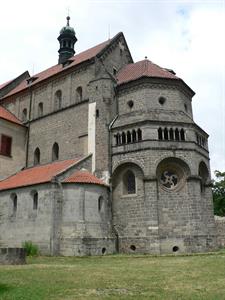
143	68
83	176
46	173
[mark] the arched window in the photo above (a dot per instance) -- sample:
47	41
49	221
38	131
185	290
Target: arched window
116	138
24	115
37	156
55	152
14	203
171	134
40	109
177	135
203	172
139	133
182	136
35	200
123	138
160	137
128	137
129	183
100	203
79	94
165	134
134	136
119	139
58	100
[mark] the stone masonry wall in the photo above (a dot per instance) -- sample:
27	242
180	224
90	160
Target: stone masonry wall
27	224
66	128
146	97
220	228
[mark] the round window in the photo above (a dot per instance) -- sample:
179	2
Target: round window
169	179
170	176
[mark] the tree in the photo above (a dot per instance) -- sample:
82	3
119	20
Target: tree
219	194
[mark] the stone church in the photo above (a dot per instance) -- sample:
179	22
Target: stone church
100	154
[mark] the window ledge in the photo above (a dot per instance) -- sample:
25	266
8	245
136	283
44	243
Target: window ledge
129	195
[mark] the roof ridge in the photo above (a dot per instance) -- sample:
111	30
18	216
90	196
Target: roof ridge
76	60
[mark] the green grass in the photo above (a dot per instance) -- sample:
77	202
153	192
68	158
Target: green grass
116	277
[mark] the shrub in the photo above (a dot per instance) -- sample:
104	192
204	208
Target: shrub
31	249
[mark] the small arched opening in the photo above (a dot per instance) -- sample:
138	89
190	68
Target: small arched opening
139	133
58	100
134	136
13	197
79	94
203	173
55	152
37	156
24	115
160	136
40	109
129	183
128	137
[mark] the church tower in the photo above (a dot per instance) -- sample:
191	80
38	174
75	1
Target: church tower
67	40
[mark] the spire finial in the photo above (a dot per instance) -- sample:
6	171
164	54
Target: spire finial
68	20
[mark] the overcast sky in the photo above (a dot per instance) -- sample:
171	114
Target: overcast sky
186	36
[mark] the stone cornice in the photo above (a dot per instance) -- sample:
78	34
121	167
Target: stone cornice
155	82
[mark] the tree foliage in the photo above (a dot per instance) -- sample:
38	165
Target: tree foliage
219	194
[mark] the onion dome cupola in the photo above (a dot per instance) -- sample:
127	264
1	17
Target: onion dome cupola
67	40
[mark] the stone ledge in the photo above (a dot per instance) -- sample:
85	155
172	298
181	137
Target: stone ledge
12	256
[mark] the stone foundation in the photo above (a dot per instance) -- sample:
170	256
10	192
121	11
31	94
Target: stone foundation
220	227
12	256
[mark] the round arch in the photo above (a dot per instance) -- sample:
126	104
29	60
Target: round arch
171	173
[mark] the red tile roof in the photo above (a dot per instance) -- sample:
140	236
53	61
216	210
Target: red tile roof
143	68
84	176
77	59
4	84
37	174
7	115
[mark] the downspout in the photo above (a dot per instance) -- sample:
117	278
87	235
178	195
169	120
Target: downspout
28	128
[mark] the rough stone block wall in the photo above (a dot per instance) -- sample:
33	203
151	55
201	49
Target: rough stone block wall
145	97
183	218
220	229
64	128
27	224
12	256
85	228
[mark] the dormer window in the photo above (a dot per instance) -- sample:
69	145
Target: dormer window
31	79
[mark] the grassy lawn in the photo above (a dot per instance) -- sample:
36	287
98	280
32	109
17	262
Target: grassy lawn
116	277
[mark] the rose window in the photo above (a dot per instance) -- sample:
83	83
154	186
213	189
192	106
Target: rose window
169	179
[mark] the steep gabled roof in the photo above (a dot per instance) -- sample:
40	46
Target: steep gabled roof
7	115
143	68
83	176
4	84
73	61
36	175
